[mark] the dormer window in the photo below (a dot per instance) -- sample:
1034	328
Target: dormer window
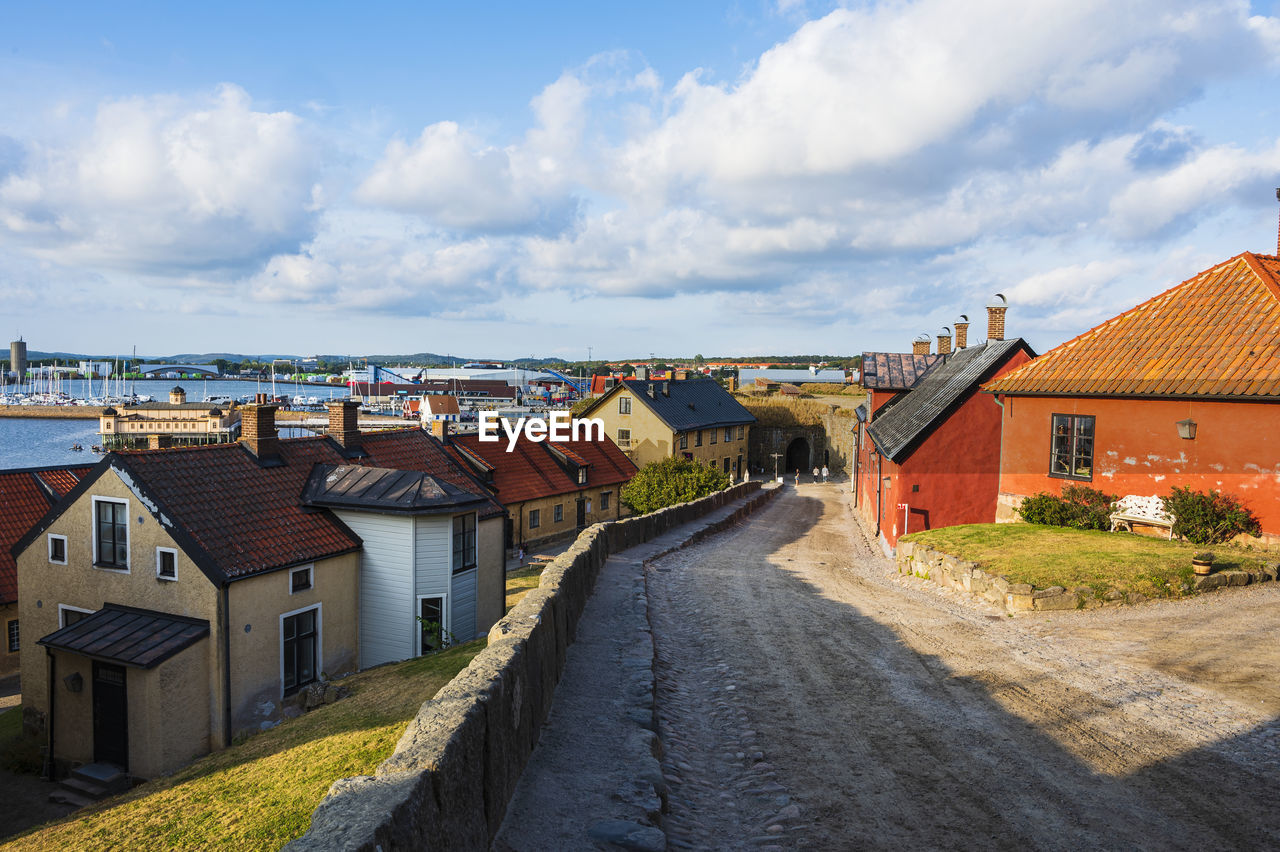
582	476
299	580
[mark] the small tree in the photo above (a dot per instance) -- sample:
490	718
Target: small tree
1208	518
671	481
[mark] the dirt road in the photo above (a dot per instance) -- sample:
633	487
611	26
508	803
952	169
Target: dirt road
809	697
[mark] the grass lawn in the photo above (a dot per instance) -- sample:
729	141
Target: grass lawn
260	793
519	584
1057	556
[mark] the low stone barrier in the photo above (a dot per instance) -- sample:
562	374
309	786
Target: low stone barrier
953	573
454	770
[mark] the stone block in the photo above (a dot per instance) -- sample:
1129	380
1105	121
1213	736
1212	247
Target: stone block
1208	582
1018	598
999	585
1271	569
1237	578
905	549
1060	599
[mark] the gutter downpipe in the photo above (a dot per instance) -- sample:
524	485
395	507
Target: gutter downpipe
1000	461
226	665
879	489
857	464
48	758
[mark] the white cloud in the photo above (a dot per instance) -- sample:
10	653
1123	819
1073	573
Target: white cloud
163	183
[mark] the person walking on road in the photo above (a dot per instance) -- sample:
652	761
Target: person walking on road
815	474
825	473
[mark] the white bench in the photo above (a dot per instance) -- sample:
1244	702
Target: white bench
1137	509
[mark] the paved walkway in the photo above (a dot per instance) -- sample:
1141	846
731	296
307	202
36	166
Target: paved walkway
594	778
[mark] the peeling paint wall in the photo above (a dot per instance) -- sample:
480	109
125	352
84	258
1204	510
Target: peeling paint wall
1137	449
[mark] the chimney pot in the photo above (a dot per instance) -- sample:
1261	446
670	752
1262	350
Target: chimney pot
944	341
995	316
962	331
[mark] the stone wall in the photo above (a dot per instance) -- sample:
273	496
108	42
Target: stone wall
448	782
830	439
952	573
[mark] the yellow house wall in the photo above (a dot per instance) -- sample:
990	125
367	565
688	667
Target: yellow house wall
9	661
491	576
652	440
548	529
43	585
257	690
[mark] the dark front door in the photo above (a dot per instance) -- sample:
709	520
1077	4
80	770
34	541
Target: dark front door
110	716
582	513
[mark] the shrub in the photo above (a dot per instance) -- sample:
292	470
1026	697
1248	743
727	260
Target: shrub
1079	507
671	481
1210	518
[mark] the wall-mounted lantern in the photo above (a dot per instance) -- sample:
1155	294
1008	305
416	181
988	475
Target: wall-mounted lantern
74	682
1187	429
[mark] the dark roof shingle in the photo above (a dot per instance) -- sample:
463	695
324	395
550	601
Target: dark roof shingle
698	403
895	429
140	638
531	471
895	370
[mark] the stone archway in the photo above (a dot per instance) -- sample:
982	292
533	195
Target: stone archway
798	456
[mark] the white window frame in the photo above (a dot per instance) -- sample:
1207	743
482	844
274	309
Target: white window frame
311	578
624	405
93	526
319	640
65	556
417	611
624	443
159	576
62	622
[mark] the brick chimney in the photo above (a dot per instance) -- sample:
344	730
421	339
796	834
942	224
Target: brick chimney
944	341
995	316
258	430
962	332
159	442
344	422
440	428
920	346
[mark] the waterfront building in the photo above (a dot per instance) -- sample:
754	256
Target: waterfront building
173	423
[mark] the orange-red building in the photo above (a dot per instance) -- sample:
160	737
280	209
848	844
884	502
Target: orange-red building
1183	389
928	442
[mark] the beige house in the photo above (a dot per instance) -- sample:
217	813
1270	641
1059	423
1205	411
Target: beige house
177	597
551	489
693	419
173	423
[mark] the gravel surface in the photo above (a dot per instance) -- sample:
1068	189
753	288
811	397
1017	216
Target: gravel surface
811	697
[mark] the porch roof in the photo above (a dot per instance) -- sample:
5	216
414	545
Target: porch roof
141	638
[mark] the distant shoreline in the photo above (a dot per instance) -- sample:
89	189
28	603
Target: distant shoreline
52	412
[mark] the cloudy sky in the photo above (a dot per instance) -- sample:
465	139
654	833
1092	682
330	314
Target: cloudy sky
501	180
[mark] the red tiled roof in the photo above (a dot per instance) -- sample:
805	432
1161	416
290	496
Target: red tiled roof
1214	335
250	518
25	501
530	471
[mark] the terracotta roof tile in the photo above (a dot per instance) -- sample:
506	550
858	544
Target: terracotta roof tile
530	471
250	518
1214	335
26	495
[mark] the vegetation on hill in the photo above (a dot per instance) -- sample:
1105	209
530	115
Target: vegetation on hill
259	794
787	411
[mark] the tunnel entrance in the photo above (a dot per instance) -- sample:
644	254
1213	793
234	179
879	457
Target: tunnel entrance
798	456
